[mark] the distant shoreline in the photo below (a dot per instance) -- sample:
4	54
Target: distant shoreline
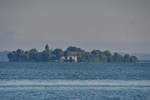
71	54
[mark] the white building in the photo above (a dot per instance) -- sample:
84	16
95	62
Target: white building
62	58
73	58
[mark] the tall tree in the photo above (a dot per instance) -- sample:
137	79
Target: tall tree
108	55
117	57
33	55
47	47
126	58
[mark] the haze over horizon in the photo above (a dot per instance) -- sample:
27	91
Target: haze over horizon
117	25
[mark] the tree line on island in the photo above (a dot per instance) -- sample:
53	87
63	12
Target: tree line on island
71	54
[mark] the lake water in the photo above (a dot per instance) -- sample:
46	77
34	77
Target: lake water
75	81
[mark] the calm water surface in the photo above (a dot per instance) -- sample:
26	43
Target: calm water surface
75	81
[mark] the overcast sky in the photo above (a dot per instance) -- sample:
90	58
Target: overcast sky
117	25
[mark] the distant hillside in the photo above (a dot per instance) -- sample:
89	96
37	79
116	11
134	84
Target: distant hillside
3	56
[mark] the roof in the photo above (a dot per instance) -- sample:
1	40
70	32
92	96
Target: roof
73	53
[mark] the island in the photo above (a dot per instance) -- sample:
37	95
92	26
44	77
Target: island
71	54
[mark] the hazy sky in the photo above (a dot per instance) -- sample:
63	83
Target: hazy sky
118	25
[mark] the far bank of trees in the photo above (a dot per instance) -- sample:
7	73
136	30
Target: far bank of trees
69	55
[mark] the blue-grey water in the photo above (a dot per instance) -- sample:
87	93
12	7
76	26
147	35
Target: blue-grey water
75	81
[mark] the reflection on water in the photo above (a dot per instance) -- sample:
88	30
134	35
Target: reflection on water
75	82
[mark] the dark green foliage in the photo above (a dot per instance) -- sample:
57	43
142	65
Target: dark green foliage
133	59
58	53
12	56
117	57
103	57
18	56
126	58
33	55
108	55
45	55
85	57
48	55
